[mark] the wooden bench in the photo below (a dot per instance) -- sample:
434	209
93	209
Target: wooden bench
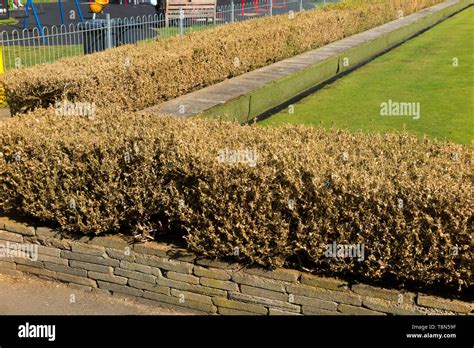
200	10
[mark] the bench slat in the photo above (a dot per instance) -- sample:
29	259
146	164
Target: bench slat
205	9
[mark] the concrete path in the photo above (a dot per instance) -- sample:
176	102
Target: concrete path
32	296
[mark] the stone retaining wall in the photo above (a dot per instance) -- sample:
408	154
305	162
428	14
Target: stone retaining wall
155	273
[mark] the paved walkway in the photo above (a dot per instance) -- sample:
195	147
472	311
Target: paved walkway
32	296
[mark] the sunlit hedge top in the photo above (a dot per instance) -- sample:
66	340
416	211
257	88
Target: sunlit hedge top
276	195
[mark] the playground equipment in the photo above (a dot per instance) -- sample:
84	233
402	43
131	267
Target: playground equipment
30	5
15	4
275	5
4	9
98	6
77	7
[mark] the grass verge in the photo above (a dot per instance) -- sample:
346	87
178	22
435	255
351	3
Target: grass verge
422	70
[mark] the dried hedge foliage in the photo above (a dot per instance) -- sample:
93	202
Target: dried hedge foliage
407	200
137	76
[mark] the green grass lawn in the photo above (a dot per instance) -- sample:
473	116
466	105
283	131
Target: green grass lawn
9	21
419	71
29	55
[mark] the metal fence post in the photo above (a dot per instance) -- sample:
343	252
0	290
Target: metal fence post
232	10
108	30
301	5
271	8
181	20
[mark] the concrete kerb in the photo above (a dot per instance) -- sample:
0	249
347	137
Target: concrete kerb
285	88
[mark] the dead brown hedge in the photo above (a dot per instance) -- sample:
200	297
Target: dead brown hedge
138	76
407	200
